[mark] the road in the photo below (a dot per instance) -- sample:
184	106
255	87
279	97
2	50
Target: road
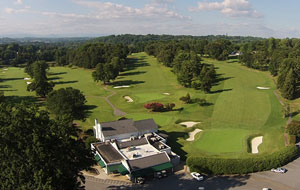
182	181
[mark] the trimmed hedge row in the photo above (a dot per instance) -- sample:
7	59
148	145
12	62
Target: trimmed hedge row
253	163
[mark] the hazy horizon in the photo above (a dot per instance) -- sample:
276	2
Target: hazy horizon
93	18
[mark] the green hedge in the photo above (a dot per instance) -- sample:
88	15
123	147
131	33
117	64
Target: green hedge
253	163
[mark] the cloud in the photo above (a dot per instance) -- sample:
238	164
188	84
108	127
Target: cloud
232	8
17	11
18	2
109	10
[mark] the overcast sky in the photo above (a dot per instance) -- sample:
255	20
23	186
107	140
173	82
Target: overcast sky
264	18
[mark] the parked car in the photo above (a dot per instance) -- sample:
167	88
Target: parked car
159	175
266	188
279	170
140	180
197	176
164	173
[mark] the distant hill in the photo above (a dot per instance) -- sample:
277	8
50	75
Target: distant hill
130	39
43	40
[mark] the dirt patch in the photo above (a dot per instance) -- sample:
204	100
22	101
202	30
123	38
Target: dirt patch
189	124
192	134
128	98
255	143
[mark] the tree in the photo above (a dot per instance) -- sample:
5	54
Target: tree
289	87
40	82
68	102
105	73
187	67
2	97
39	153
186	99
206	83
294	128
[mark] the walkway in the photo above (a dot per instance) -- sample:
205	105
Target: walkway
117	112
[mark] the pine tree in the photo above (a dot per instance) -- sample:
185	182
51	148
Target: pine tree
288	89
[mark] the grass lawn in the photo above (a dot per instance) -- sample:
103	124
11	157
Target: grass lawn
238	109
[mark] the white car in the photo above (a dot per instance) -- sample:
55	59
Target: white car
266	188
197	176
278	170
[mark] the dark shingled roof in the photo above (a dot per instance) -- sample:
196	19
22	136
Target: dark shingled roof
144	125
131	143
108	153
118	127
127	126
148	161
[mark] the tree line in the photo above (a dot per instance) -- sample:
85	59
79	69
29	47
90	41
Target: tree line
184	59
279	56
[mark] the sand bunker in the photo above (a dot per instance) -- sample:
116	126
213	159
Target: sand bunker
263	88
28	83
5	69
168	94
189	124
192	134
27	78
255	143
121	86
128	98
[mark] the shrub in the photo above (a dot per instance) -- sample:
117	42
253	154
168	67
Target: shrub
292	139
157	107
169	107
88	141
254	163
186	99
294	128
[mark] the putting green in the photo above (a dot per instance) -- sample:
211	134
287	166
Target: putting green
221	141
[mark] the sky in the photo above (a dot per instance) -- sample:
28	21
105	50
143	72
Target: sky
90	18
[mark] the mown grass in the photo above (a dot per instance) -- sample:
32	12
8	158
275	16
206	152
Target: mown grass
238	109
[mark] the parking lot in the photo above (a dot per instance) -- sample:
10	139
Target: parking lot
183	181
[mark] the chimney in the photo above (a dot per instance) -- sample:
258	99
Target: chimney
98	130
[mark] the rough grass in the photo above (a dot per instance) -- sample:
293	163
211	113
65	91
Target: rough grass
237	111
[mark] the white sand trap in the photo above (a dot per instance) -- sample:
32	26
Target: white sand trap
28	83
27	78
189	124
192	134
263	88
121	86
168	94
255	143
3	72
128	98
5	69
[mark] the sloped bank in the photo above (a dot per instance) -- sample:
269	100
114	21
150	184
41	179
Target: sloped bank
253	163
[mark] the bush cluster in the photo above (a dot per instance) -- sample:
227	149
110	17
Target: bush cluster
255	163
159	107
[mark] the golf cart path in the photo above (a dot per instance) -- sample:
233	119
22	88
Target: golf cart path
117	112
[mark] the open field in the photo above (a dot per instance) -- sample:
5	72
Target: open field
238	109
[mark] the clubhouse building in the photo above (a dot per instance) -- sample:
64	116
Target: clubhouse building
132	148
